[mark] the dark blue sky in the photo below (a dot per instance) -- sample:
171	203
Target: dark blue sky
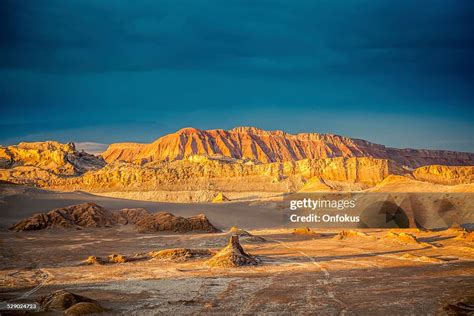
393	72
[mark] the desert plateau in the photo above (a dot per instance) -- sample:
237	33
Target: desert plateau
244	163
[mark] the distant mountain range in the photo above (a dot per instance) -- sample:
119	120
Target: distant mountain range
250	143
194	165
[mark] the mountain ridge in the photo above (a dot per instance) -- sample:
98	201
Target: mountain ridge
61	159
264	146
168	170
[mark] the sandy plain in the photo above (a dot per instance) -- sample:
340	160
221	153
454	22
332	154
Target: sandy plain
299	274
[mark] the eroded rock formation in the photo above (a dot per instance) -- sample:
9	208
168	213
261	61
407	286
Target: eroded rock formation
130	215
63	300
54	157
215	174
180	254
245	236
447	175
233	255
251	143
81	215
194	166
164	221
93	215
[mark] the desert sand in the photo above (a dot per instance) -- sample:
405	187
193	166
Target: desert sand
366	271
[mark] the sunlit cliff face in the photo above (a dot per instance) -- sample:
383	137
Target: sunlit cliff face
272	146
195	165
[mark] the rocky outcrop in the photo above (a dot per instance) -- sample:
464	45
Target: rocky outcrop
113	258
130	215
447	175
93	215
53	157
180	254
250	143
201	179
164	221
245	236
306	231
233	255
84	308
81	215
214	174
94	260
71	303
403	238
201	166
346	234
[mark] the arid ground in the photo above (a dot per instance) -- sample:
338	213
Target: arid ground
306	274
